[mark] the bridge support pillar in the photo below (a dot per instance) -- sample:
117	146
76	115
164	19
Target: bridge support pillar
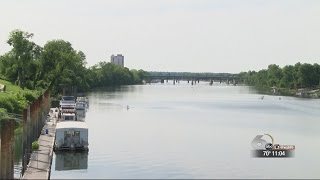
167	80
188	80
211	82
192	82
174	81
198	81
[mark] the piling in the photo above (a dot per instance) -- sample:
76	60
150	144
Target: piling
39	166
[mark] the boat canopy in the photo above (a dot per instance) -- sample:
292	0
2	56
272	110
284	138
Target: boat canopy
71	125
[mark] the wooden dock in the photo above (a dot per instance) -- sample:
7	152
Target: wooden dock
39	166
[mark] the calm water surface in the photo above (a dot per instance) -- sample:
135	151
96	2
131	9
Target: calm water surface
184	131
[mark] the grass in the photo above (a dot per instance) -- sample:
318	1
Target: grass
12	88
15	99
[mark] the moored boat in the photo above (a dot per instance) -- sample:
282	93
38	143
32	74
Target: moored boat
71	135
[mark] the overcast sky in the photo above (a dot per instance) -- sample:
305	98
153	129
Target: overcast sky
174	35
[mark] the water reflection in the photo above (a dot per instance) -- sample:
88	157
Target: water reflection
17	152
201	131
71	161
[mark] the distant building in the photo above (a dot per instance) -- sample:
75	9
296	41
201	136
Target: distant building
118	59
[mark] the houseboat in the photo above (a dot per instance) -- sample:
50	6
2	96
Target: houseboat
71	135
81	106
80	115
83	101
68	116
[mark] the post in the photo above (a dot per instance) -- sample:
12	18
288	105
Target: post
10	148
7	134
0	153
4	152
24	138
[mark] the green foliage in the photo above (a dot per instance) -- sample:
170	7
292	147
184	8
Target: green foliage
22	57
35	145
3	113
53	66
290	77
13	102
108	74
30	96
18	130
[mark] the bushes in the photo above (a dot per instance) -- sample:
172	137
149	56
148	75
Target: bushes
35	145
13	103
30	96
6	103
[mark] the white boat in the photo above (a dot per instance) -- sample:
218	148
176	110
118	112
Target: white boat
83	100
68	116
67	101
71	135
81	115
81	105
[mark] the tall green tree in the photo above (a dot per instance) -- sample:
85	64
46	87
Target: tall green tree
62	65
274	75
288	77
23	52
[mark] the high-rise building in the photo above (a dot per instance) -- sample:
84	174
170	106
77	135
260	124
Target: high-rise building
118	59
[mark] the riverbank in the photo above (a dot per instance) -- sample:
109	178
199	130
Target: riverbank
302	92
39	166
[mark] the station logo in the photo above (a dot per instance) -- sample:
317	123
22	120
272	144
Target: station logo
265	146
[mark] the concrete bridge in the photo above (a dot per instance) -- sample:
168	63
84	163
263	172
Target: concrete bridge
192	77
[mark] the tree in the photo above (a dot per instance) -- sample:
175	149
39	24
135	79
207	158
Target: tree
308	76
288	77
23	52
62	65
274	75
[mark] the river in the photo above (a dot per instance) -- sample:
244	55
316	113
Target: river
200	131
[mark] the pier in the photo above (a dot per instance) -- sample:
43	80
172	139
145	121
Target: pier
39	166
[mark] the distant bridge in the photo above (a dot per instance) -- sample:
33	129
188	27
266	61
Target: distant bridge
193	77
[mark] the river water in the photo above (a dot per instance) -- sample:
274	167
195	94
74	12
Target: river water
200	131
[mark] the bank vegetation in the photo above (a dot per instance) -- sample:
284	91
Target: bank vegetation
299	79
28	69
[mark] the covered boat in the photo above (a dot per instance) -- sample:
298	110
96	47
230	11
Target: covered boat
71	135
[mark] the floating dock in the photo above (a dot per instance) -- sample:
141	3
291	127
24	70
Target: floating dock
39	166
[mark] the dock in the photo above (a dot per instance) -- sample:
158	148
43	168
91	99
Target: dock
39	166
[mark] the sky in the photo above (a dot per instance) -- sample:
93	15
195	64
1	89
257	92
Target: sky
174	35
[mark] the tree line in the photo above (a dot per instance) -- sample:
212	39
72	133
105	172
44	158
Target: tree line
290	76
57	64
